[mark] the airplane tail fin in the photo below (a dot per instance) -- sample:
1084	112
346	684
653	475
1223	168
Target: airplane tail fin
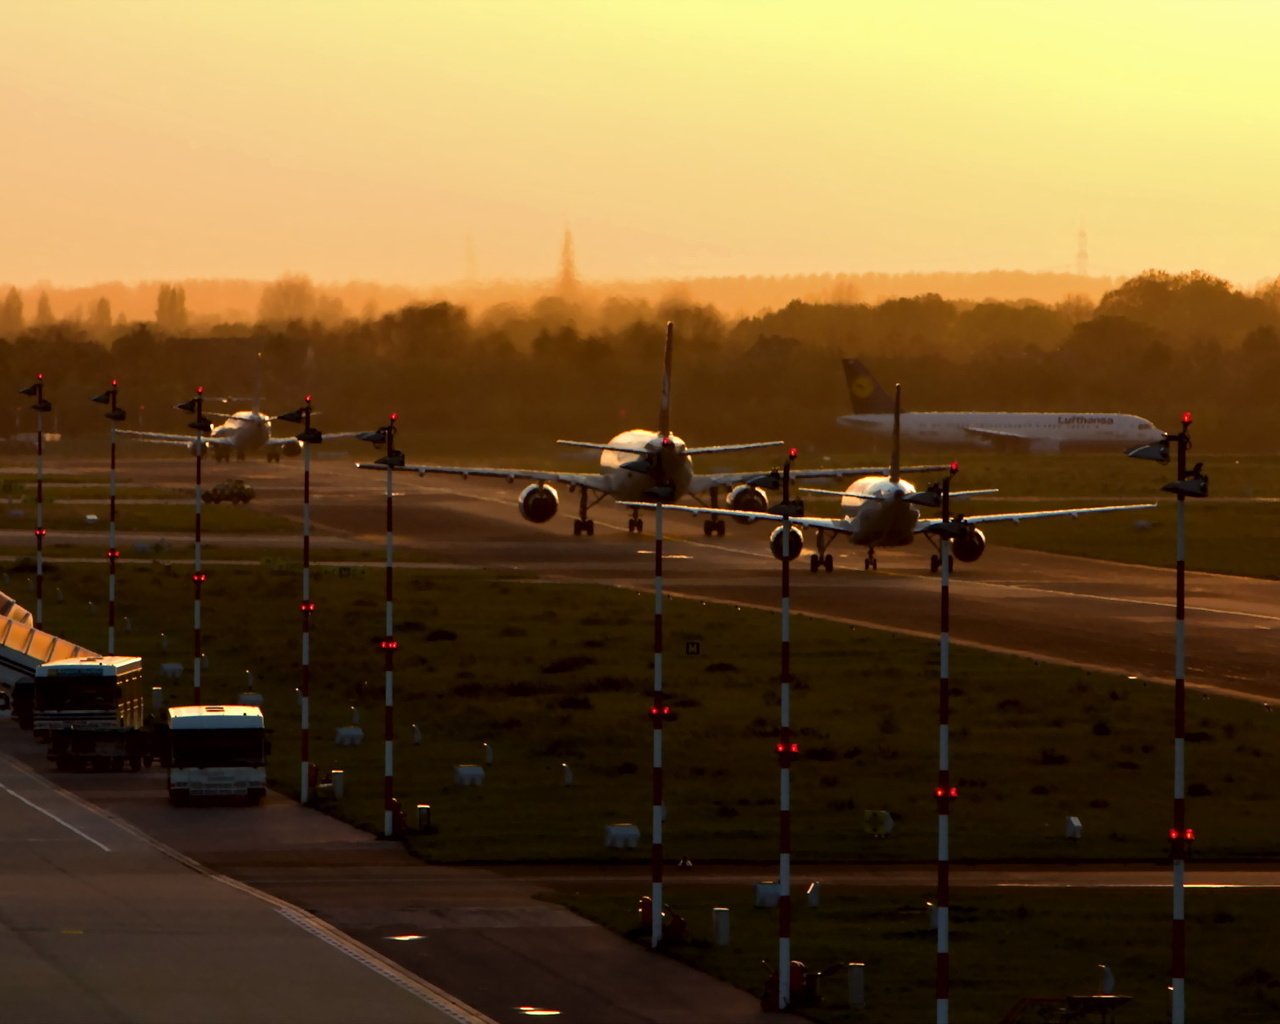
865	393
895	459
664	410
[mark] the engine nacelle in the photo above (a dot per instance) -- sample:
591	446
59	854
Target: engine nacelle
746	498
538	503
293	449
968	547
794	545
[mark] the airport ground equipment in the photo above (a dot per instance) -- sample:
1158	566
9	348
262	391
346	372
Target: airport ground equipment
93	712
23	648
236	492
217	750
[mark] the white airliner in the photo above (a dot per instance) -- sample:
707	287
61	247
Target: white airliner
1017	431
245	431
639	466
884	511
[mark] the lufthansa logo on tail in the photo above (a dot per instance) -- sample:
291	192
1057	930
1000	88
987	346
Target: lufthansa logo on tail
861	387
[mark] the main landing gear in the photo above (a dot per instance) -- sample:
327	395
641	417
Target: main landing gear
935	563
635	524
869	563
582	525
822	560
713	527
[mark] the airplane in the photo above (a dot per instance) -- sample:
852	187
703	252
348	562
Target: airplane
242	432
884	511
1016	431
640	465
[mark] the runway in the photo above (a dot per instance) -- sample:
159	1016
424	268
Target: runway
1108	616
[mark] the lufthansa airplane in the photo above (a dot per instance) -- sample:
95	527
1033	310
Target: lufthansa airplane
642	466
884	511
1016	431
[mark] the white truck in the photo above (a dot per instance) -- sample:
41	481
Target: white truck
217	750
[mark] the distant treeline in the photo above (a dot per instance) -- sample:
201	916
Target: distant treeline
566	367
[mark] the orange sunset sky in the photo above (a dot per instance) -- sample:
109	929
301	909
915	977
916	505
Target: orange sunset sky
428	142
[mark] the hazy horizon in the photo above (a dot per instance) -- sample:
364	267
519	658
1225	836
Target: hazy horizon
455	141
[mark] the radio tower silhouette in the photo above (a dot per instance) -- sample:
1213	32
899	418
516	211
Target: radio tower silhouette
1082	252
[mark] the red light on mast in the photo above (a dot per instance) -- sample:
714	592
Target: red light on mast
1186	419
794	453
955	467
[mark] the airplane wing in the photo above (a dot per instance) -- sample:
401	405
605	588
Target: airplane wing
1017	517
589	481
773	478
707	449
187	439
631	449
837	525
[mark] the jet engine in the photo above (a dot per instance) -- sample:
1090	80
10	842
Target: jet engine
538	503
746	498
292	449
794	545
968	547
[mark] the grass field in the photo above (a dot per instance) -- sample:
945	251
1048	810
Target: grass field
1005	944
554	674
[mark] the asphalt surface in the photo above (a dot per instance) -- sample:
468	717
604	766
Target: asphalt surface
98	924
1105	615
479	935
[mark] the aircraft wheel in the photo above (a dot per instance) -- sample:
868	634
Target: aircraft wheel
577	527
828	563
814	562
935	563
708	528
590	527
719	527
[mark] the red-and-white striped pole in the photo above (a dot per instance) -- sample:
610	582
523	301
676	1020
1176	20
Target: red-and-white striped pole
1181	835
944	792
115	415
658	711
389	646
198	575
307	607
41	407
787	749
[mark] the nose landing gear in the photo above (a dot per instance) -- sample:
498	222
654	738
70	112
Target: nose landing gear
713	527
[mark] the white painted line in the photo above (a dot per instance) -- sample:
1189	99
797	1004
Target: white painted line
60	821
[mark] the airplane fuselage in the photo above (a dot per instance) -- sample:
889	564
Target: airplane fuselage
632	477
1029	431
878	510
246	430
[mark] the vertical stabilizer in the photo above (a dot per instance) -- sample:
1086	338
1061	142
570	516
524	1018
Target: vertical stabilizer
895	459
866	396
664	411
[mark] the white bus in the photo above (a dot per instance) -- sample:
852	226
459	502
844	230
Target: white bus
92	711
217	750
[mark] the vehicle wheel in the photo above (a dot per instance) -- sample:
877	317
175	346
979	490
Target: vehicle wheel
577	527
178	797
591	528
255	796
720	528
814	562
135	763
64	763
828	563
708	528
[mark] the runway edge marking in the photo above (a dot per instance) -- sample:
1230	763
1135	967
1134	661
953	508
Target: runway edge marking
316	926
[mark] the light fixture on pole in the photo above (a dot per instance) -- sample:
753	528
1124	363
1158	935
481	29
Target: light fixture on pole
389	462
41	407
116	415
1191	483
203	428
